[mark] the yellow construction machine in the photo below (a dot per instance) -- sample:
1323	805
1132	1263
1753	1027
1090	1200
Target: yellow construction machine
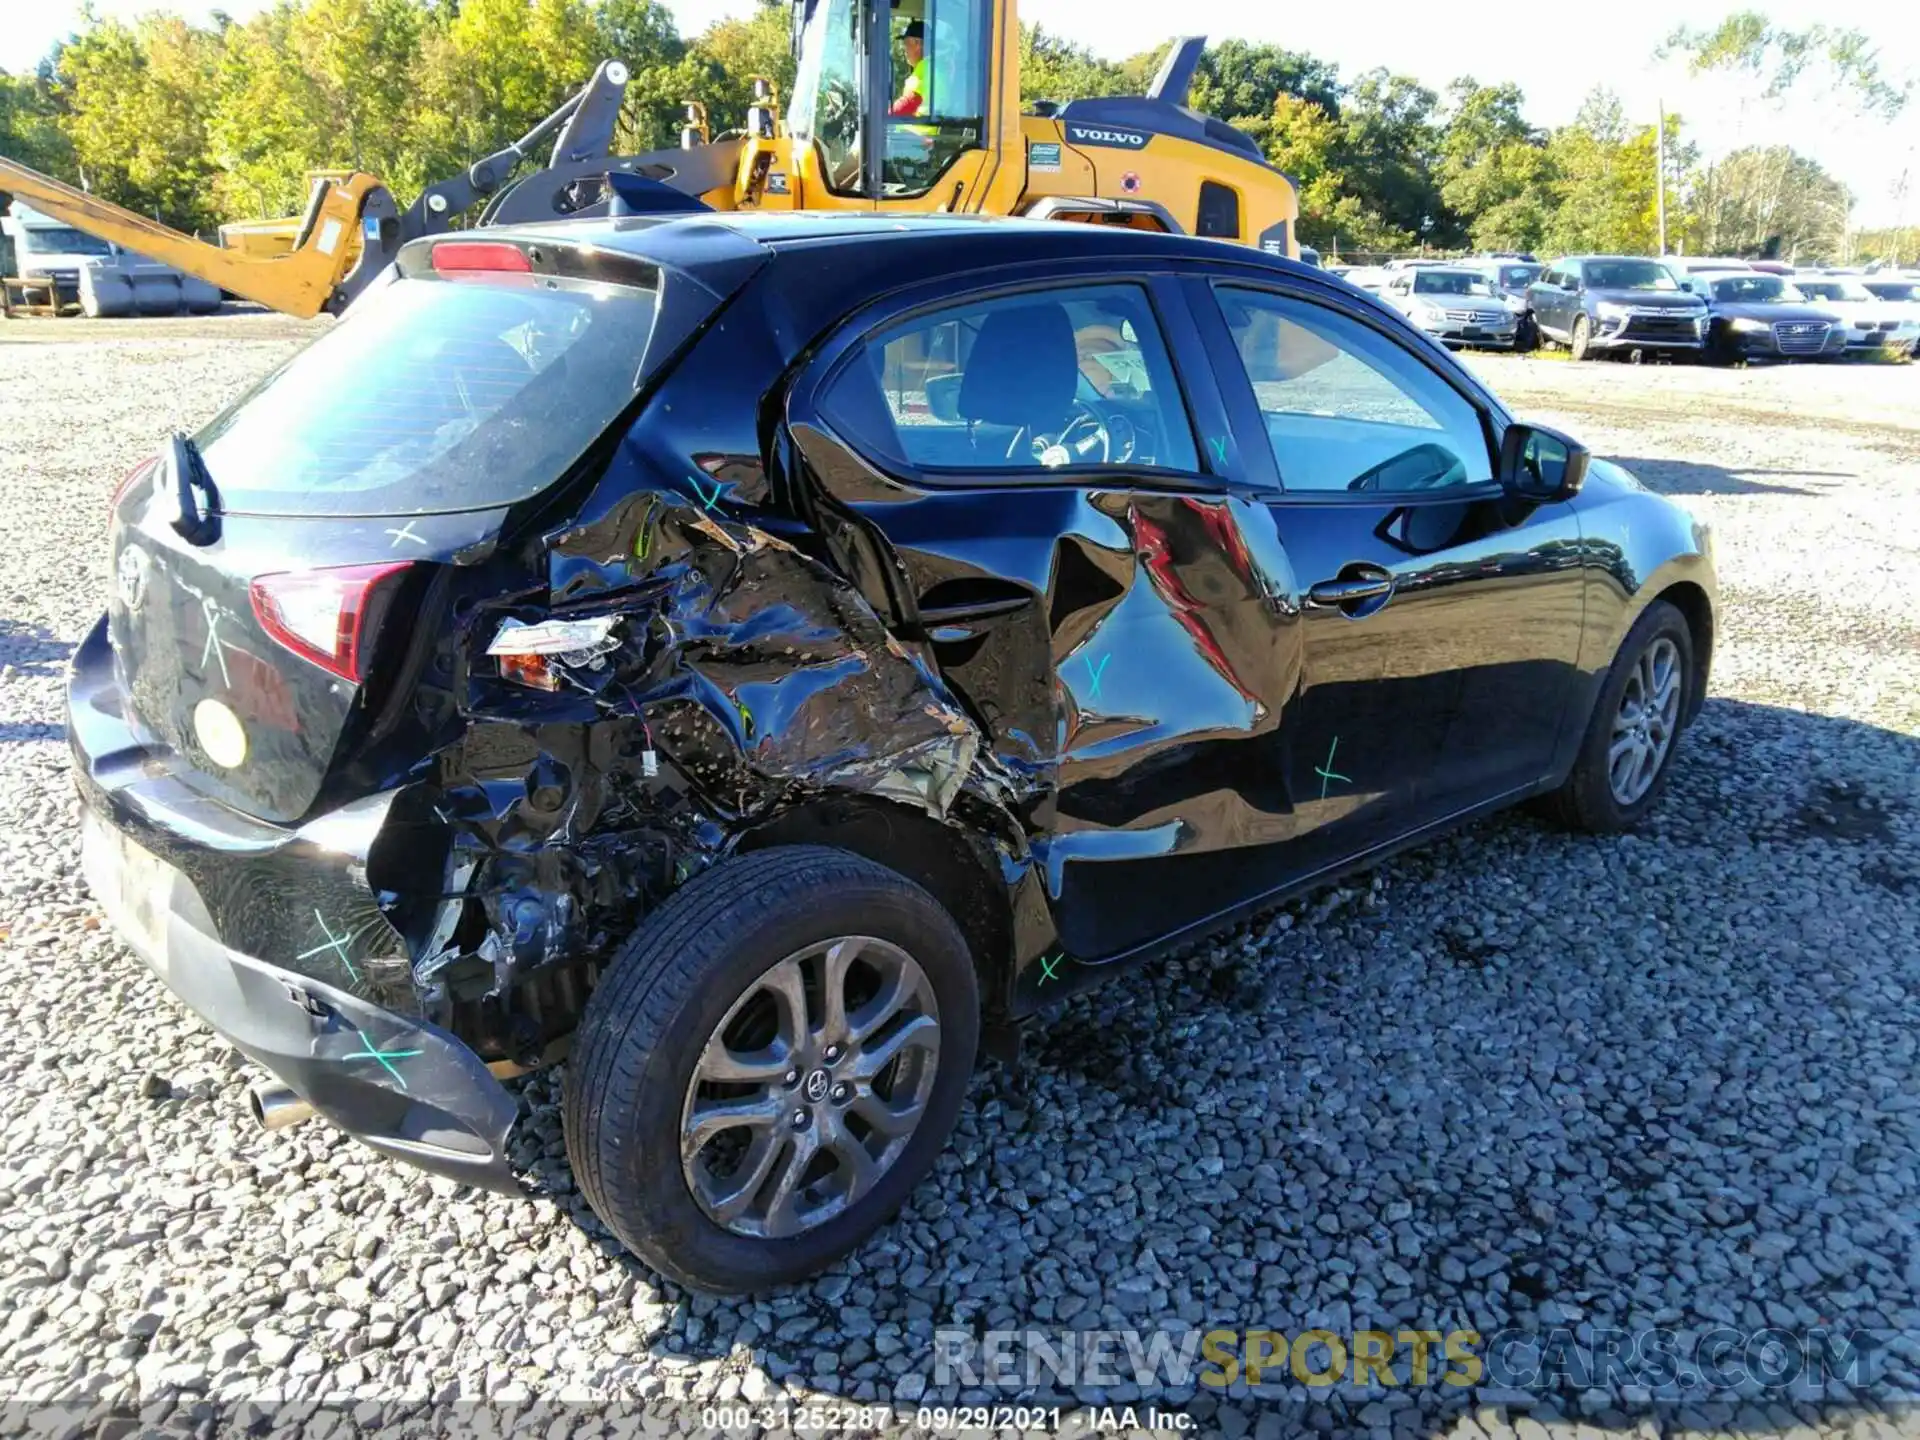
898	106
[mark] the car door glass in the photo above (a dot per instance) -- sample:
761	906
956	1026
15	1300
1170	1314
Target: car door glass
1346	408
1033	381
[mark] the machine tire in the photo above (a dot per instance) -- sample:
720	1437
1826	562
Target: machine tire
668	999
1581	338
1587	800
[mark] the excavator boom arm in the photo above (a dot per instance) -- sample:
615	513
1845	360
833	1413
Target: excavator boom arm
299	283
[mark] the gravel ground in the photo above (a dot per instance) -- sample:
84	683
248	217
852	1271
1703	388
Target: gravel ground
1516	1079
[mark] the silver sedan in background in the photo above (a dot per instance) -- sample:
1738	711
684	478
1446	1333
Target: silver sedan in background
1454	304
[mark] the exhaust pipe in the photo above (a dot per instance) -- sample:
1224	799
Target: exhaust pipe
275	1107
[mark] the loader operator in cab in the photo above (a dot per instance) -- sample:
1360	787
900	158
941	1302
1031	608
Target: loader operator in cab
913	95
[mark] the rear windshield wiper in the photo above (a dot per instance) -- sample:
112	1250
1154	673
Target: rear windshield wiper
194	524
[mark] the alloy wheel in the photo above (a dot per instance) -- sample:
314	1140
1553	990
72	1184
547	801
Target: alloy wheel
810	1087
1644	726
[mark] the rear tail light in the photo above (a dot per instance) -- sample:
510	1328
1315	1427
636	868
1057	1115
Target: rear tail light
321	615
458	255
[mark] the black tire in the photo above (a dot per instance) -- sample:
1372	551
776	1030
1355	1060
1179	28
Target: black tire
1581	338
665	993
1526	334
1586	801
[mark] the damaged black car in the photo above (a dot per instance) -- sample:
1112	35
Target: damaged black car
765	660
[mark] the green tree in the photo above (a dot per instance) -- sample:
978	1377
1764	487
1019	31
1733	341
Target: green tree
1240	82
1770	201
1059	70
134	105
1602	182
1747	43
1303	142
30	125
1492	167
1388	152
730	53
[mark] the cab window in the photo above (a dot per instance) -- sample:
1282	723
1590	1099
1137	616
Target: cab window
937	105
1035	381
1347	409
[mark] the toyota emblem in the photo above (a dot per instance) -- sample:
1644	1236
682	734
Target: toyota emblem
130	576
817	1086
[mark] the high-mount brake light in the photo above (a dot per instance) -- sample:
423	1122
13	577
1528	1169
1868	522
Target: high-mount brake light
455	256
321	615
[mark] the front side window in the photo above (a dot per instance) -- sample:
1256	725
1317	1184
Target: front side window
1347	409
1035	381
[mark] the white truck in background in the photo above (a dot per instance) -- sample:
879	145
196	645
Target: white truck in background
48	267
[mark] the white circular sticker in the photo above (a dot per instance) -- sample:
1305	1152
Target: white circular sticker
220	734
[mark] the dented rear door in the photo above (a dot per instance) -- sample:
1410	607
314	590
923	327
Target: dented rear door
1119	628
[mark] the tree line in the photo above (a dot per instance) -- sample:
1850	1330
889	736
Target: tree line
197	125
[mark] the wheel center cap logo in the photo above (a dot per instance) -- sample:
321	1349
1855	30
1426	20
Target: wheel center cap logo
817	1086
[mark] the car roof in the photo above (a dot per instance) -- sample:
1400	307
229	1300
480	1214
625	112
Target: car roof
1006	238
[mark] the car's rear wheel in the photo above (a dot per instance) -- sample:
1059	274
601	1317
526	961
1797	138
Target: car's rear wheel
770	1065
1581	343
1635	729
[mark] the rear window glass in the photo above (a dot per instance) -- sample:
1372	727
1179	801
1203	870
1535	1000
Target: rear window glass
434	395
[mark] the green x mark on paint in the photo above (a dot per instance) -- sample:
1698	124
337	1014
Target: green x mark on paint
369	1051
1219	444
719	487
1047	964
336	943
1327	772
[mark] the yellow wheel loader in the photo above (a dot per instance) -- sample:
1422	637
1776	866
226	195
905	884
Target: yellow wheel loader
898	107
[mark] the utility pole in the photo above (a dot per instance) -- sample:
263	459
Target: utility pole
1660	173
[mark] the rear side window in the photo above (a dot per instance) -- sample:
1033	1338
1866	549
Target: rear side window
1035	381
434	395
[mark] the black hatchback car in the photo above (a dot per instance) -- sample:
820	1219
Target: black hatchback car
769	656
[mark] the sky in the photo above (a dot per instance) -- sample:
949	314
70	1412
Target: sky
1609	44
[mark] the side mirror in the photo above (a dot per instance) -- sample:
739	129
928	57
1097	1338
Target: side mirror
1542	465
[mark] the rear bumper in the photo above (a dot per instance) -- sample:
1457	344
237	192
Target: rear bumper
345	1042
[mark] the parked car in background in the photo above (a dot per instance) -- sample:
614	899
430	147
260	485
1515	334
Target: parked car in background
1752	316
1453	304
1771	267
1757	315
1510	276
1684	265
1616	304
1309	256
1366	277
732	709
1874	325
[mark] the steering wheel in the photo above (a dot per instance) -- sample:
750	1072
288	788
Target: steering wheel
1088	439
